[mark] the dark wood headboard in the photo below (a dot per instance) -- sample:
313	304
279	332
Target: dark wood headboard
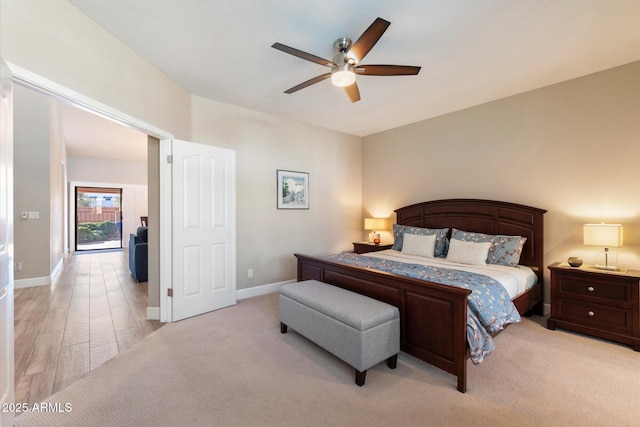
483	216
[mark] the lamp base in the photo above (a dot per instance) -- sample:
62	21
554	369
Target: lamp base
606	267
607	261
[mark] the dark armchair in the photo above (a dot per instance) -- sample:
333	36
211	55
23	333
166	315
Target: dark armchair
139	255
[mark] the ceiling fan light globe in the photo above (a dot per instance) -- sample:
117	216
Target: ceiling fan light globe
343	76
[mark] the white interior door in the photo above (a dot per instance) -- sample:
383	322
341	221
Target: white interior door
203	229
6	247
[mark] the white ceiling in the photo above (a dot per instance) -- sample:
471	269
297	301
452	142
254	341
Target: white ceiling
87	134
470	51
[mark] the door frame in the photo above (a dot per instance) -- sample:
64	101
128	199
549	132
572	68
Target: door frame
43	85
166	220
75	213
72	218
7	388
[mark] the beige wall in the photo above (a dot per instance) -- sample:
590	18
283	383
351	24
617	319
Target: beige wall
116	171
268	237
38	187
572	148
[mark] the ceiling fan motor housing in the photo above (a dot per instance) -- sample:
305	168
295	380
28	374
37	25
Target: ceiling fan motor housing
343	44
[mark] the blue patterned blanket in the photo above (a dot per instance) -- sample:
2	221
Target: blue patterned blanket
490	307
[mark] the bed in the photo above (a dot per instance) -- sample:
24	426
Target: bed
434	316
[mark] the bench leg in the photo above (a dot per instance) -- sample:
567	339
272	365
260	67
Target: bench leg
283	328
360	376
392	361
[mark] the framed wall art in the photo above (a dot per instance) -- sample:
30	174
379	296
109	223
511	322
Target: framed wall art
293	190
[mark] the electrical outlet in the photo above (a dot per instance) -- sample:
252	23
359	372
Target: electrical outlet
250	273
18	266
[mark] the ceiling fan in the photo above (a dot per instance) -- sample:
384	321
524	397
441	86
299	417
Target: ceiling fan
346	64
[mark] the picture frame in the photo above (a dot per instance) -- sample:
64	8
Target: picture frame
292	189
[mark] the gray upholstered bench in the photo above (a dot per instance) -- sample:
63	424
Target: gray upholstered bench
359	330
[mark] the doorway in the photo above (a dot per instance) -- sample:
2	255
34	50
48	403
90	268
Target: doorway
98	218
28	80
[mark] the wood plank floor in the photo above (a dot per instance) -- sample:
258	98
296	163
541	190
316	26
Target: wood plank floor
93	311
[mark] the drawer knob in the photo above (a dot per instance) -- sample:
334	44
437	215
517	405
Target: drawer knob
591	289
591	313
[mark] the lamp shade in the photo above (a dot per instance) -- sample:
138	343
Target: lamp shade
375	224
603	234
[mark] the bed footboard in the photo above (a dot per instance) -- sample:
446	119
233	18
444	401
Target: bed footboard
433	317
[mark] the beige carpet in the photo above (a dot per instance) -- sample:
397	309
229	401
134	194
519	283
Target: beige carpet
233	367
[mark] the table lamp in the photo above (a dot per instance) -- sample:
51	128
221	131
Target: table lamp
374	224
604	235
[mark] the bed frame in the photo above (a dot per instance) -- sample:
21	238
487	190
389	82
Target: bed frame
434	316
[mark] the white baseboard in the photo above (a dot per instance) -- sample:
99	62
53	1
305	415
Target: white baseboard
153	313
57	269
546	309
39	281
261	290
32	282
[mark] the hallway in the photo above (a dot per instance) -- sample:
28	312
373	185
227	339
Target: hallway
93	311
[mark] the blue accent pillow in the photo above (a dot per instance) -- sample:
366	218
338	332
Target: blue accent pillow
441	237
504	250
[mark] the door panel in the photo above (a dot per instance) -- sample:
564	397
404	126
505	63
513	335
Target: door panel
203	229
218	263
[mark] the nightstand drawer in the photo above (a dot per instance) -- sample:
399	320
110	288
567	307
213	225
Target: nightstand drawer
605	292
600	303
599	316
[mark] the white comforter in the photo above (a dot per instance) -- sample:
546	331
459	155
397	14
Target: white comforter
515	280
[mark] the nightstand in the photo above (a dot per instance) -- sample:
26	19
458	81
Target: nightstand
364	247
600	303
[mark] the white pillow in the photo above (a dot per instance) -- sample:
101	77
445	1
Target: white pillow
415	244
474	253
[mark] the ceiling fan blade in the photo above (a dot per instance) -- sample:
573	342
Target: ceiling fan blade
308	83
303	55
353	92
387	70
368	39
